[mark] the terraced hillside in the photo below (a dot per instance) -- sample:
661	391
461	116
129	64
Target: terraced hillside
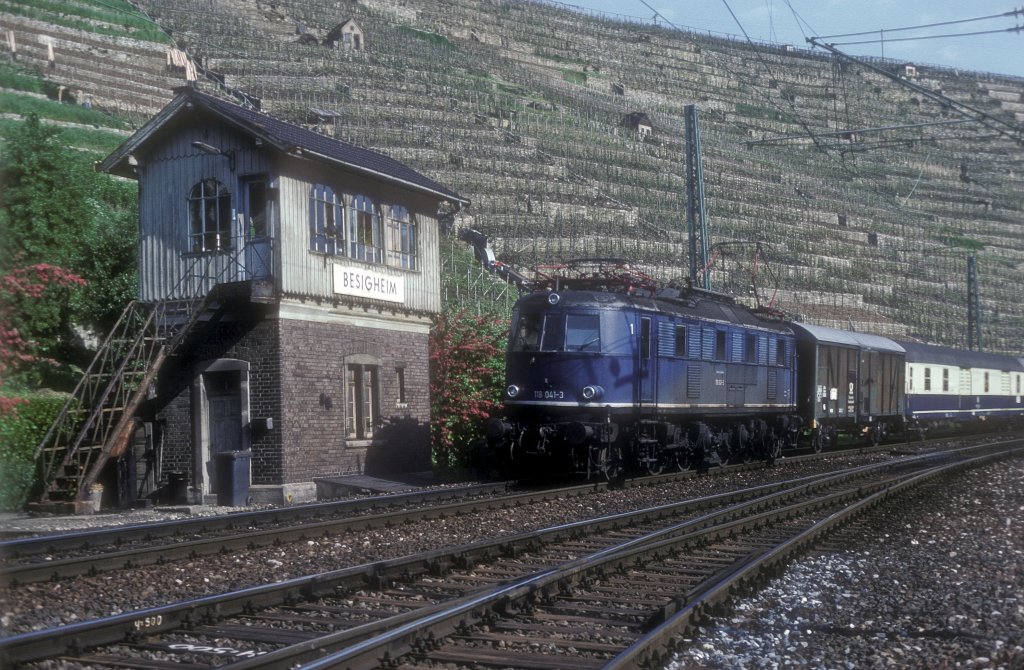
520	107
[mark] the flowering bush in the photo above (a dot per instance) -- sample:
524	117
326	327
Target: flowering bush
24	309
467	372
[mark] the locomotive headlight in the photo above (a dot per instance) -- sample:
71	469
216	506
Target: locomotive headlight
512	391
553	298
592	392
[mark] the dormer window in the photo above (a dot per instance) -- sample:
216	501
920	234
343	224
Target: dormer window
326	221
209	213
365	235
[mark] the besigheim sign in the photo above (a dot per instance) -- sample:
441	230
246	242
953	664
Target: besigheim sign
368	284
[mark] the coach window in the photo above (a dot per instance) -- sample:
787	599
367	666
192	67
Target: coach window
945	379
927	379
680	345
209	213
326	221
910	377
750	348
645	338
986	382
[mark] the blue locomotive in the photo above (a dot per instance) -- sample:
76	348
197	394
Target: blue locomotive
609	373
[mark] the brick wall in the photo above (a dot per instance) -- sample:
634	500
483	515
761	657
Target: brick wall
297	378
248	333
313	358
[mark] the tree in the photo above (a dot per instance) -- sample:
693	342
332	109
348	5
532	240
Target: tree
56	211
467	370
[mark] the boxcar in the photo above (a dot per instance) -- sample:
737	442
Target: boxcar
849	383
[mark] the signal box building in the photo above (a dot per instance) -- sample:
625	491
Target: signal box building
297	276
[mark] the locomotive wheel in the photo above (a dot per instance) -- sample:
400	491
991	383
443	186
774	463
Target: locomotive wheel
607	462
653	465
650	458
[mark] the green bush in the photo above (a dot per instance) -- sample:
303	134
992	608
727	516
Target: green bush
24	420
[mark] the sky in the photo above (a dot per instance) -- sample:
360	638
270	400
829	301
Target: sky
792	21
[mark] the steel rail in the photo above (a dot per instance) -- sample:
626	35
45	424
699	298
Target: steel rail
114	629
187	613
419	634
655	648
242	535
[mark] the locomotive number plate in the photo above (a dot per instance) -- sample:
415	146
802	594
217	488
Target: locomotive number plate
549	395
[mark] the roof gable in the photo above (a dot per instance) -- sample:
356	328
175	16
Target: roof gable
285	137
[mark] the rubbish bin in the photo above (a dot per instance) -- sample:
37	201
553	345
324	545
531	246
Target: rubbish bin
177	488
233	478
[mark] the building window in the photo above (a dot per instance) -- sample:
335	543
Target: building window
402	397
927	379
326	221
209	213
361	394
402	242
365	237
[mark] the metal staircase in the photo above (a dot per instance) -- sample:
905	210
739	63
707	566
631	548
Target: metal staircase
97	421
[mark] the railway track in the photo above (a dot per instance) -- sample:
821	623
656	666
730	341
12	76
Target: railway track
608	592
52	557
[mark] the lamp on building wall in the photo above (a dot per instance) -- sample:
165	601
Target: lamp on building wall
214	151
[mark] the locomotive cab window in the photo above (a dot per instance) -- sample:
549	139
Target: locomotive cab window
527	336
583	332
553	337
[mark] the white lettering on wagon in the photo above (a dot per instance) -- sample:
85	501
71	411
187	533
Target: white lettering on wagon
368	284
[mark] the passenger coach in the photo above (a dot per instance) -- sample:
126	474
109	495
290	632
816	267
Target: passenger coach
946	384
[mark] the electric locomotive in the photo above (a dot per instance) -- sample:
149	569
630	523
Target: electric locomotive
608	373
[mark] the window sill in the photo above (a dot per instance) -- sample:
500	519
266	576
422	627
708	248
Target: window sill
200	254
352	442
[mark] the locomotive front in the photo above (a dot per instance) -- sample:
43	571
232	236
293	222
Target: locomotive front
571	367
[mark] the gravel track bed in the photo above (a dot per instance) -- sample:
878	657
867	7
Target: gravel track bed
47	605
936	581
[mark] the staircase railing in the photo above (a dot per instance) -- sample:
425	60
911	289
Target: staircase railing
94	424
